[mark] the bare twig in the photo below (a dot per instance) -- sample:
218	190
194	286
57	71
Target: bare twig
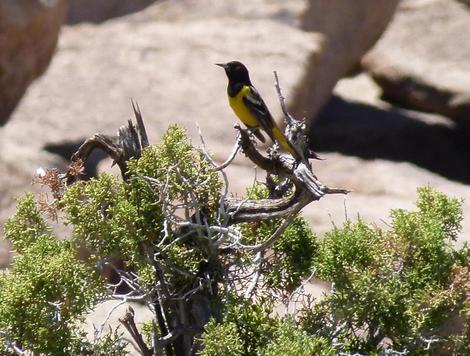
120	148
279	231
299	291
174	334
182	309
258	260
128	143
289	118
144	141
12	344
98	331
307	187
233	154
221	206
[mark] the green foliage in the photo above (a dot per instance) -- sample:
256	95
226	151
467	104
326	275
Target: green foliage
292	258
221	340
249	329
292	254
431	229
26	225
254	324
111	344
350	249
290	340
401	284
148	328
397	283
126	219
107	217
47	291
180	168
88	207
45	295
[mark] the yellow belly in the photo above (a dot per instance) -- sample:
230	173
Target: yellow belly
240	108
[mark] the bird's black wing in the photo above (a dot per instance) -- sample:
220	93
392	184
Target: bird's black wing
258	108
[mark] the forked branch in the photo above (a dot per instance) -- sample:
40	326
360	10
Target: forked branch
128	143
182	313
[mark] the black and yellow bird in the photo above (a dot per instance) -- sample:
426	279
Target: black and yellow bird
250	107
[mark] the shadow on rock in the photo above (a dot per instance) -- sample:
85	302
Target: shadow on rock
397	135
67	149
97	11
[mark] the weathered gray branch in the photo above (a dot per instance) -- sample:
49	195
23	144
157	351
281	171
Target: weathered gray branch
128	143
128	321
182	313
307	188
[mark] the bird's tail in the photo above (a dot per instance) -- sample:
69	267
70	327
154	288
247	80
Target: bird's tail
284	142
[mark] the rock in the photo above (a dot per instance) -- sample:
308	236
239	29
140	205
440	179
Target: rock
163	57
382	153
28	37
348	30
97	11
423	61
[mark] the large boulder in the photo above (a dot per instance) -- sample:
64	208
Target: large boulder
423	61
164	58
28	36
348	30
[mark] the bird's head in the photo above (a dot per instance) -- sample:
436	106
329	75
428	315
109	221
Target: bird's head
236	72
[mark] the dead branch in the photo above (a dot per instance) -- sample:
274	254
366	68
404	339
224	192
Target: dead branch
128	143
296	130
128	321
282	100
307	187
144	141
182	312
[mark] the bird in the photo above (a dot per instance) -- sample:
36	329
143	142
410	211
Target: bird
248	105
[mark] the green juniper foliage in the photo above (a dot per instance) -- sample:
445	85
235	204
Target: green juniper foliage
250	329
398	284
45	295
26	225
393	288
285	338
292	254
222	339
116	218
289	340
47	291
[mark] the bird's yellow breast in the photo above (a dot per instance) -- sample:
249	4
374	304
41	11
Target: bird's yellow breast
240	108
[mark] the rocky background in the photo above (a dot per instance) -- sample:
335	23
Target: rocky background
386	120
370	127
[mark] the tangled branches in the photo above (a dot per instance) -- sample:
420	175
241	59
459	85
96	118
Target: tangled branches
197	252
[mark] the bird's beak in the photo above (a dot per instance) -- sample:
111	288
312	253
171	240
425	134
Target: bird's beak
223	65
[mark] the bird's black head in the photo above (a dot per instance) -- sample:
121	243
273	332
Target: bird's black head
236	72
